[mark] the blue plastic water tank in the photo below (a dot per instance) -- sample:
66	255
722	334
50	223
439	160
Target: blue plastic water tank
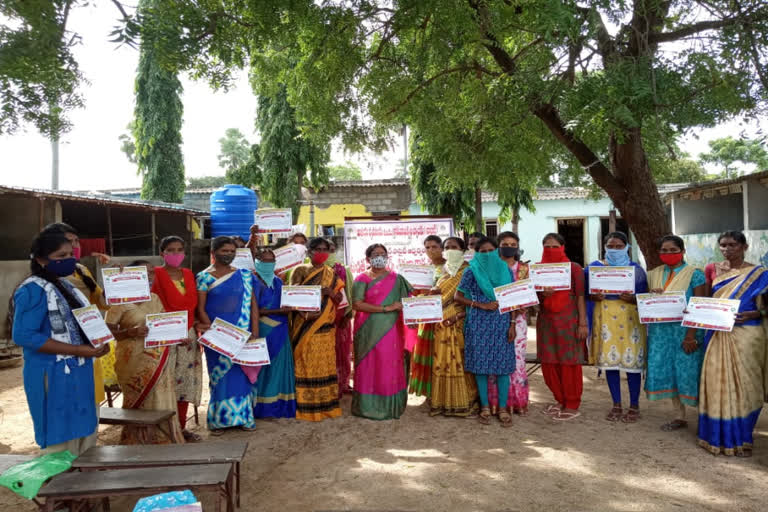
232	209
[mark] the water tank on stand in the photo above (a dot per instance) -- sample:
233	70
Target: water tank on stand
232	209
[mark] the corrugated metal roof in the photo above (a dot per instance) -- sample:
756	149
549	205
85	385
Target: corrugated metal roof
692	187
558	193
101	199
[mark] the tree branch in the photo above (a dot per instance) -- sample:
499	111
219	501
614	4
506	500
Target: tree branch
675	35
121	9
426	83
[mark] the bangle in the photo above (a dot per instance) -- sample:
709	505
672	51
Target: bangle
383	309
472	305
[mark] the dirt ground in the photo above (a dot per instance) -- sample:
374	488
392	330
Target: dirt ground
420	463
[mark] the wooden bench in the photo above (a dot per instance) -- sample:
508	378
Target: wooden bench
532	364
123	457
10	460
139	418
79	487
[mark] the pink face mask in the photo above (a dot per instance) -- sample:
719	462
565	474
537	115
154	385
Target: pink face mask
77	252
173	259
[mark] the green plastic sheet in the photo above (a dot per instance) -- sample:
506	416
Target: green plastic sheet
25	479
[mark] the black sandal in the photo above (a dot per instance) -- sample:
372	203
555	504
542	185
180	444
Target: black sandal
674	425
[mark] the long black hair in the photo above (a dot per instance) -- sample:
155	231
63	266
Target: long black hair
61	227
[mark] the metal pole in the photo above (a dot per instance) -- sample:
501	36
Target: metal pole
154	235
55	163
612	220
109	232
311	217
405	149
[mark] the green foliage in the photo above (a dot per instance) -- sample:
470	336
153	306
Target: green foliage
157	131
207	182
127	144
680	170
727	151
235	150
349	171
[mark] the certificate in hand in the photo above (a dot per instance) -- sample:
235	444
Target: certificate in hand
253	353
126	287
273	220
289	256
556	276
93	325
302	298
611	280
517	295
224	338
709	313
424	309
344	300
661	308
166	329
421	277
244	260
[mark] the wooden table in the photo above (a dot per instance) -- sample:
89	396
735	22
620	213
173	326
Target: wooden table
80	487
173	455
12	459
139	418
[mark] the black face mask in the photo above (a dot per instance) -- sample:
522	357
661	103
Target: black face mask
509	252
224	259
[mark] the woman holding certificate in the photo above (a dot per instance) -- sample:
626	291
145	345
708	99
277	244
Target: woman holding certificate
381	388
146	375
314	338
227	293
58	360
176	288
343	325
561	332
489	336
618	338
734	374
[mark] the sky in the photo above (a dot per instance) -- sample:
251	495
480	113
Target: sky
90	156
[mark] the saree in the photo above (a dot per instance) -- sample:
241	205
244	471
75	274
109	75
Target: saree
314	352
146	376
274	395
618	339
229	298
344	332
380	384
671	372
733	377
453	390
422	359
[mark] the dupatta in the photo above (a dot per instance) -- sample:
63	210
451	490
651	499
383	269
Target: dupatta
172	299
304	328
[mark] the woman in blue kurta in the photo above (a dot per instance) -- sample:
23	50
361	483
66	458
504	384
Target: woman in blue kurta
274	395
225	292
489	347
58	361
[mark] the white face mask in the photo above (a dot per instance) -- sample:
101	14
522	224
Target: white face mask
379	261
454	258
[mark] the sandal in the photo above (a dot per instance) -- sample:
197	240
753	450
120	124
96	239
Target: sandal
674	425
248	429
632	415
521	411
217	432
551	410
566	416
485	416
191	437
744	453
615	414
505	418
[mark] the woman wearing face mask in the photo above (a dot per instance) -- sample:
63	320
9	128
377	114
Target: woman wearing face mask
227	293
381	388
343	324
734	374
509	250
488	335
314	339
453	391
176	288
674	351
618	338
561	332
58	360
146	375
274	395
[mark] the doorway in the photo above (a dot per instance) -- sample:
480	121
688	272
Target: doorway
621	225
573	232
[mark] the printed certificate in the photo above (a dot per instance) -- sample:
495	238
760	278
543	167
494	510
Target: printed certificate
421	277
93	325
224	338
611	280
424	309
289	256
344	300
303	298
273	220
166	329
517	295
126	287
556	276
253	353
661	308
244	260
710	313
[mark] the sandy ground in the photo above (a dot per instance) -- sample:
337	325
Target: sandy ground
421	463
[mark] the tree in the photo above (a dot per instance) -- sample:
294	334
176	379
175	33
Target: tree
235	150
127	144
158	118
207	182
680	170
727	151
347	172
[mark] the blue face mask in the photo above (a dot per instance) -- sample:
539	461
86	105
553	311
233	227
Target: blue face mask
266	270
62	268
617	257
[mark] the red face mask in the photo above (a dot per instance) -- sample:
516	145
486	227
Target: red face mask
319	258
554	255
671	259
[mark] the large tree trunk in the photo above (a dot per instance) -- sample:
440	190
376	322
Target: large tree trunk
516	220
479	210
